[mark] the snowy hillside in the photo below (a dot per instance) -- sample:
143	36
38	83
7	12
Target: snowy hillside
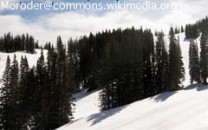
179	110
32	58
82	109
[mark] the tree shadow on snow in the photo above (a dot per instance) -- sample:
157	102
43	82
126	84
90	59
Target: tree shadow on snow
192	86
163	96
96	118
198	87
80	95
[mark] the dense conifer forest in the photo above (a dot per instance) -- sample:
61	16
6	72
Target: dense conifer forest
24	42
126	65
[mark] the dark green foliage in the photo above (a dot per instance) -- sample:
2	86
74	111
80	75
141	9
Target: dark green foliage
5	96
56	85
90	54
148	63
182	29
203	24
73	63
194	66
10	97
176	70
121	73
63	78
28	100
125	64
204	57
9	43
39	98
177	30
191	31
14	96
88	65
161	64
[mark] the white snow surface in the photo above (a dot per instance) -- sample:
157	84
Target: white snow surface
82	109
180	110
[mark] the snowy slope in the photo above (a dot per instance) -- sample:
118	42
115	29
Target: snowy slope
82	109
32	58
180	110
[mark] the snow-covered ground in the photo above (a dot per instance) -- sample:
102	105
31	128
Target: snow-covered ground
82	109
32	58
179	110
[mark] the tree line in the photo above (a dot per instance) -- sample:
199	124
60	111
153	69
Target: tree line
127	65
192	31
24	42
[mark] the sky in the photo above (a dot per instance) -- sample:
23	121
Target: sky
45	25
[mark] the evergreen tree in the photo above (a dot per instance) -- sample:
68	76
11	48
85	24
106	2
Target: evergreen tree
64	93
5	97
161	64
73	59
14	110
24	68
204	57
53	89
108	76
28	100
194	67
182	29
31	45
122	71
192	31
181	66
148	59
176	70
10	43
41	94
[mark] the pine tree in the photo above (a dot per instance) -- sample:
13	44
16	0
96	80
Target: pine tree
64	100
204	57
31	45
24	68
53	89
194	67
73	58
176	70
161	64
148	68
182	29
5	97
41	94
122	71
28	100
181	65
14	113
108	75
